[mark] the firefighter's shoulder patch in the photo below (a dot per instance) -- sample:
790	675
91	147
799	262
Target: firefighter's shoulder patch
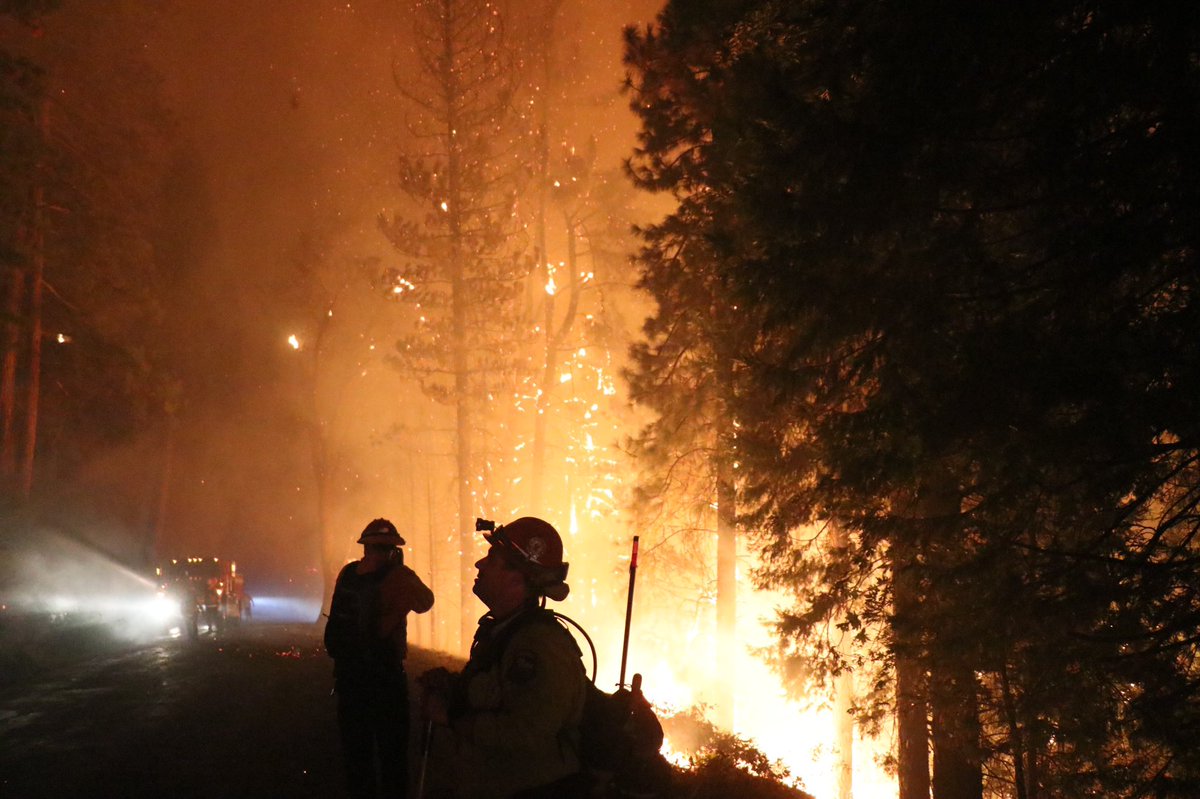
523	667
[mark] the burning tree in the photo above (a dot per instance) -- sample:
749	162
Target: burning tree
575	464
461	256
565	426
568	218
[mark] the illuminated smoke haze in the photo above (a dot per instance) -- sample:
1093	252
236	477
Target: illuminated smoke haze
288	129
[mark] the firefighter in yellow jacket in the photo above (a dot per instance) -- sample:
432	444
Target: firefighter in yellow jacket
513	713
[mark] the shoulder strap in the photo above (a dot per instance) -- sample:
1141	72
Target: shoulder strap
563	619
489	650
525	619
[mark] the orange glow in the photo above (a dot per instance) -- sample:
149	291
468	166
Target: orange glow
677	654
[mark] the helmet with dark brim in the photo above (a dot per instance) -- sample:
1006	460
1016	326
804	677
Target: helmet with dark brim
382	532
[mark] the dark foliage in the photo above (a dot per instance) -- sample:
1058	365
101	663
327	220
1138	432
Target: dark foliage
86	142
973	272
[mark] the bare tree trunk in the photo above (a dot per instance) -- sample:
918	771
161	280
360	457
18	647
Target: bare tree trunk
466	525
333	546
463	431
408	530
538	456
727	646
542	409
555	336
435	641
1033	747
844	733
843	700
1016	740
23	302
14	308
158	534
33	393
957	765
912	721
953	688
552	336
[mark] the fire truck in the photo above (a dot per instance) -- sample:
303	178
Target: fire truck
211	593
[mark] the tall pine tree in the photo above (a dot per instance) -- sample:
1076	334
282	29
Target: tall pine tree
459	262
975	267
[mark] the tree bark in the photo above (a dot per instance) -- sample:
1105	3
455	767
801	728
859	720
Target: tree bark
333	547
723	458
1032	749
36	279
23	304
435	639
954	690
158	534
844	733
957	765
538	456
458	309
14	308
912	715
843	700
550	339
1016	738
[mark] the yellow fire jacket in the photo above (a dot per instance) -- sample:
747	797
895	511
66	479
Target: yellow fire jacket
517	711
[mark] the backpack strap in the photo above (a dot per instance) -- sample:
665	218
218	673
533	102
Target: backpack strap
539	615
563	619
487	651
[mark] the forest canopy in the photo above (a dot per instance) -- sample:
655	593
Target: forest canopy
953	249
